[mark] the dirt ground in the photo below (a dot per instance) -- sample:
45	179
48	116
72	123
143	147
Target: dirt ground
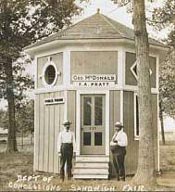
167	165
16	174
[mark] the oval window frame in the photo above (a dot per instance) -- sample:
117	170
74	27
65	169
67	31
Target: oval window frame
49	63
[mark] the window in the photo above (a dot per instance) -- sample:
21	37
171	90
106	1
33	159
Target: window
98	110
87	138
50	74
134	70
98	138
87	110
136	116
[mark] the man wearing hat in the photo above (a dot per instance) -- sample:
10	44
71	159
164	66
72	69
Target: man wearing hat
118	147
66	149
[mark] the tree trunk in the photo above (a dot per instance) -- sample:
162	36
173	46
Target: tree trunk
145	169
11	143
161	122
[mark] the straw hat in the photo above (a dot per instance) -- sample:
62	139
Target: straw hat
118	124
66	122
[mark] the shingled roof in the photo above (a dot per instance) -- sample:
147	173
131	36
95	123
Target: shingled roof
97	26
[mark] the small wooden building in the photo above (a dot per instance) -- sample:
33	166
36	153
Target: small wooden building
88	75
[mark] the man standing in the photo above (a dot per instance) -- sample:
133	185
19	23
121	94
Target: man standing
118	147
66	149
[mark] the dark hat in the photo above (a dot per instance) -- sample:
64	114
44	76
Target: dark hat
118	124
66	122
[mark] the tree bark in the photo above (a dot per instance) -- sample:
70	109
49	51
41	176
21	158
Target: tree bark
145	169
11	144
161	122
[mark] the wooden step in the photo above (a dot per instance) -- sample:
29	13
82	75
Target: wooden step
92	158
91	165
88	176
92	171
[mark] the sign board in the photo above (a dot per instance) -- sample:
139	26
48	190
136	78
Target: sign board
52	101
94	80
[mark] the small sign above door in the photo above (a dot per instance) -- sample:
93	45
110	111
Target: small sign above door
94	80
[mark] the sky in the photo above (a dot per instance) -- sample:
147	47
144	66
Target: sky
107	7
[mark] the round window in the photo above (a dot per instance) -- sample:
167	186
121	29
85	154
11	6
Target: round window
50	74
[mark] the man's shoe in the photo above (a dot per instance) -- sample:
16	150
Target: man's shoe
122	178
62	179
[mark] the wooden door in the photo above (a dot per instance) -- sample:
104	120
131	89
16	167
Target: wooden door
92	124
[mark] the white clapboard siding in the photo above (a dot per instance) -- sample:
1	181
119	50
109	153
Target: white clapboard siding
58	119
46	135
51	137
48	123
41	134
36	133
58	112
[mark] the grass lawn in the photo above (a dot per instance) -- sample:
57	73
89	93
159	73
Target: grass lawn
16	172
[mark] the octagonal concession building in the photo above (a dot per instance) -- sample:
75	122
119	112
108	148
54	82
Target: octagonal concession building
87	73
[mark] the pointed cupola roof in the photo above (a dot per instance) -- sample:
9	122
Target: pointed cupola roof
97	26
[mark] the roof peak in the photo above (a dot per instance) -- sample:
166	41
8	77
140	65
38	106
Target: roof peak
98	11
97	26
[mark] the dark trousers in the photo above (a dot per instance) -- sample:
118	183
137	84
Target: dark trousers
118	160
66	156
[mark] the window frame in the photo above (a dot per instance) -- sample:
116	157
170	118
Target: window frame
47	64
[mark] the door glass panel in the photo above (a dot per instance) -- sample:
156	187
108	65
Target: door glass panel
98	110
86	138
87	110
98	138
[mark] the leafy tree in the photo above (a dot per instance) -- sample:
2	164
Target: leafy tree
167	84
25	117
145	169
167	89
164	17
3	119
23	22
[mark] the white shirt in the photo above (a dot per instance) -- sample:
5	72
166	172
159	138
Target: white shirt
66	137
121	139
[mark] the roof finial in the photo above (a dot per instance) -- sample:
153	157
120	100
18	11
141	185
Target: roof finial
98	10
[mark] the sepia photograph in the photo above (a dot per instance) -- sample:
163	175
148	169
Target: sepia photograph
87	93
